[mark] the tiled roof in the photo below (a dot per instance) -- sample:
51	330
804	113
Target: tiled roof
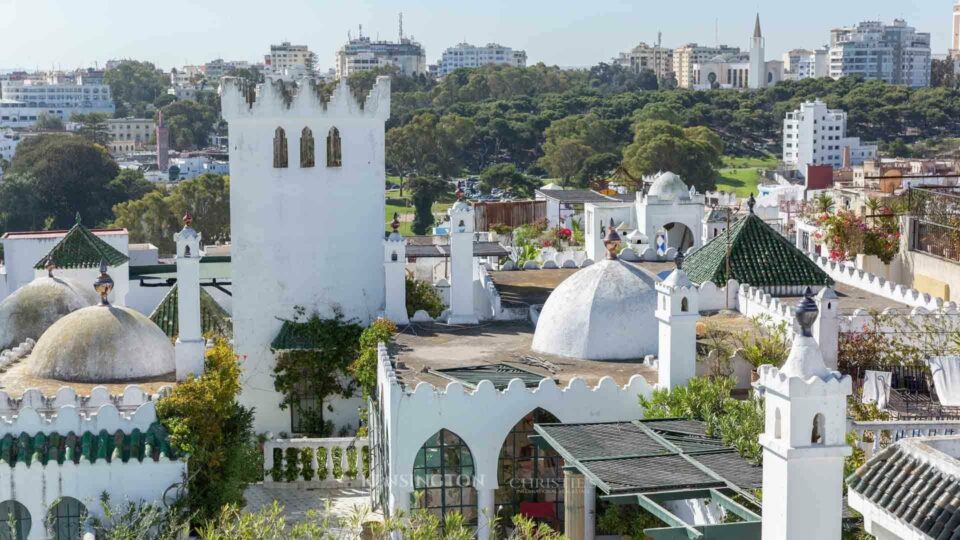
910	489
499	374
88	447
759	256
213	318
573	196
80	248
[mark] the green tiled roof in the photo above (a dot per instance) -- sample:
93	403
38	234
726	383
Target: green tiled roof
295	336
910	489
80	248
499	374
759	256
213	318
87	447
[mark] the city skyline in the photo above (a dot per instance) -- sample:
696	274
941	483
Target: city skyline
575	35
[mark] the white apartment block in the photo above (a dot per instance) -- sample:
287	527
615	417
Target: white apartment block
465	55
185	75
8	147
285	57
363	54
22	101
801	64
896	54
816	135
643	56
129	134
215	69
688	56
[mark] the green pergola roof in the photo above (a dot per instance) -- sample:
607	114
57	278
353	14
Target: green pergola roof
295	336
759	256
499	374
213	318
87	447
649	462
80	248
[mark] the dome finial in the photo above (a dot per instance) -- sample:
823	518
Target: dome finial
806	313
751	202
187	220
104	284
50	265
612	241
77	218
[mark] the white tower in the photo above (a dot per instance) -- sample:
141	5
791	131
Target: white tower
306	209
678	310
827	328
757	78
394	270
190	346
461	263
803	440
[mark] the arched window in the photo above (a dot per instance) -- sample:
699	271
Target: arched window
776	424
684	304
816	435
279	149
14	521
530	478
66	519
307	149
334	153
443	477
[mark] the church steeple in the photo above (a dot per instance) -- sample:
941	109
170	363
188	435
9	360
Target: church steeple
756	28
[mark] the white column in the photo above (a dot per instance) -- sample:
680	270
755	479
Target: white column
486	513
190	346
589	510
826	331
394	267
461	278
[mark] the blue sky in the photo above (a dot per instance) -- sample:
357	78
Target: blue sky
71	33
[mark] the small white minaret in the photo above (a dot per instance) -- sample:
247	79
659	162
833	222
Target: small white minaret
394	268
757	78
461	263
190	346
678	310
803	440
827	328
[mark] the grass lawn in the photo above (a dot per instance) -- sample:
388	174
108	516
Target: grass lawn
741	175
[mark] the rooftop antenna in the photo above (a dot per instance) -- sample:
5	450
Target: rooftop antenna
716	31
401	27
361	31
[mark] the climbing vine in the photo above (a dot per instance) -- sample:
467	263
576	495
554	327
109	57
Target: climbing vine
364	368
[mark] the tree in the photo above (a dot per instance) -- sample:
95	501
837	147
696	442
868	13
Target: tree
155	217
49	122
400	153
587	129
69	174
693	153
93	127
20	205
596	168
823	203
564	158
426	190
941	72
135	86
190	123
506	176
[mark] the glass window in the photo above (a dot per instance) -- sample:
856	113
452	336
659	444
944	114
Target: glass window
443	477
66	519
530	478
14	521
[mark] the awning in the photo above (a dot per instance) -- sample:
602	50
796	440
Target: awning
650	462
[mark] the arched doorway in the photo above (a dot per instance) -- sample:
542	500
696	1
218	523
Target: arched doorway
66	518
15	521
679	236
530	478
443	475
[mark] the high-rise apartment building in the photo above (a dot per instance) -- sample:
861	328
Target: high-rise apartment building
895	53
465	55
364	54
655	58
285	57
687	57
806	63
30	97
816	135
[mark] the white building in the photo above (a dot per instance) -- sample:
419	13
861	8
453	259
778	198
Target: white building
8	147
364	54
655	58
57	98
190	167
816	135
285	56
132	132
800	64
686	58
896	54
738	70
465	55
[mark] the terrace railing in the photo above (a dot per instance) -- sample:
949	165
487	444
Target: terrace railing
872	436
334	462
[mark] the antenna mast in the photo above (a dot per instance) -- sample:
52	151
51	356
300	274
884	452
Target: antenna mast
401	27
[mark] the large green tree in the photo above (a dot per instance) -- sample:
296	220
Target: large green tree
693	153
93	127
190	123
506	176
135	86
69	174
426	190
564	157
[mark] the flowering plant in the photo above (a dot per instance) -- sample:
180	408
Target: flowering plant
565	233
847	234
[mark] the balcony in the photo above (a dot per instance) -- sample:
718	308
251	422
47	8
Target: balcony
327	463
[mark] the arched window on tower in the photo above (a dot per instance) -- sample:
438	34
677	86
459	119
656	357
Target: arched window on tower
334	154
684	304
279	149
816	436
307	149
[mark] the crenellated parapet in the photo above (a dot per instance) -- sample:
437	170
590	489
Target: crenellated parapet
100	404
773	379
278	99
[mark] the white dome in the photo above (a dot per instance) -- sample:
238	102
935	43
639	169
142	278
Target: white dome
669	186
29	311
102	344
603	312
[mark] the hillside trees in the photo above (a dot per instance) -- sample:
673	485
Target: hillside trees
693	153
135	86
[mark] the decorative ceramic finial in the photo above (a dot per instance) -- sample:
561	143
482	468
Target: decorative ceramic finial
50	265
78	218
187	220
807	313
751	202
678	260
612	241
395	224
104	284
459	194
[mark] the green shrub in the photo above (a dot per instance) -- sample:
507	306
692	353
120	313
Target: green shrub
422	295
364	368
